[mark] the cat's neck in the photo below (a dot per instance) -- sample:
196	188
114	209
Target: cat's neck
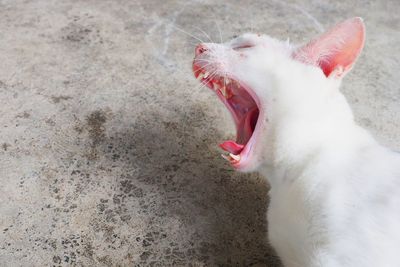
298	144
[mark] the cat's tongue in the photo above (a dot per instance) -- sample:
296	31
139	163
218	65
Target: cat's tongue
245	129
232	147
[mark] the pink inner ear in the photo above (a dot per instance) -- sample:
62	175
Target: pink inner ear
338	47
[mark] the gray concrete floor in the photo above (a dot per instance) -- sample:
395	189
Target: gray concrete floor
108	151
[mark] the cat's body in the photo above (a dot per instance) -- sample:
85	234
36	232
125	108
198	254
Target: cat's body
339	206
335	192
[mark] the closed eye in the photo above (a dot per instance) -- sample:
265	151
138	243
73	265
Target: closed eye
243	46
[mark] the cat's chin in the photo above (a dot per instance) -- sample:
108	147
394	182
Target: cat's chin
243	105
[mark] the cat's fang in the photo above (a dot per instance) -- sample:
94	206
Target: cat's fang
215	86
235	157
225	92
206	74
201	76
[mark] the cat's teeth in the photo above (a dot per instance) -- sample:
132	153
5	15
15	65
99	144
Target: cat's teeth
224	91
235	157
231	157
200	77
227	81
216	86
206	74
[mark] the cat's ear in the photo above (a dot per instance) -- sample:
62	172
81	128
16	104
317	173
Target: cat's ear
336	50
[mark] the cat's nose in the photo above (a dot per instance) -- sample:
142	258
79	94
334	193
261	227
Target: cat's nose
200	49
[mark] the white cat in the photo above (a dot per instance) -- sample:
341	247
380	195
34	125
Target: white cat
335	192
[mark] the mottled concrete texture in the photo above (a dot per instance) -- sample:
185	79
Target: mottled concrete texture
108	146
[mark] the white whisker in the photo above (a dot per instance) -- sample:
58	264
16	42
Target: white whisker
209	38
191	35
219	30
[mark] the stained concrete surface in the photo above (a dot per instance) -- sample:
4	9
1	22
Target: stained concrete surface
109	151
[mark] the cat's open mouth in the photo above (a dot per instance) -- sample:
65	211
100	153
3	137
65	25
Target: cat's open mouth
243	107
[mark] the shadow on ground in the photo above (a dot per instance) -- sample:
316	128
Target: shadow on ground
198	210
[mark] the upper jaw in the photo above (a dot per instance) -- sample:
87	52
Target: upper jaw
243	105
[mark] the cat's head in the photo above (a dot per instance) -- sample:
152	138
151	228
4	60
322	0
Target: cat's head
263	81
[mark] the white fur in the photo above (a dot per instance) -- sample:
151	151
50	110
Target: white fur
335	192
